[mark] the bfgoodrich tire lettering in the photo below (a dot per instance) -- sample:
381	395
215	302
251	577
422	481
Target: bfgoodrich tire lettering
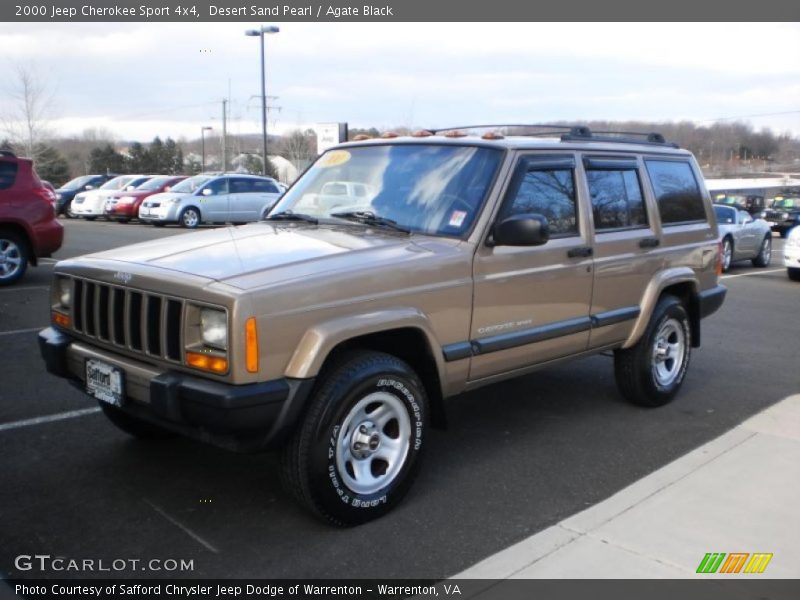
357	451
651	372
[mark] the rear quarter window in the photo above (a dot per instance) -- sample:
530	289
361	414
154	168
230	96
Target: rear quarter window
8	174
677	192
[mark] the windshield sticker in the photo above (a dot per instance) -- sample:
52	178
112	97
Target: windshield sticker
457	218
334	158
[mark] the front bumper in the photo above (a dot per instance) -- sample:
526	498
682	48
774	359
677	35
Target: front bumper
791	256
159	213
47	237
245	418
781	226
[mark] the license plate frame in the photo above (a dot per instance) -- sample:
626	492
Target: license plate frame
105	382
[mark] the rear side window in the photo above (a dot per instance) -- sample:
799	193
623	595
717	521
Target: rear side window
8	174
677	193
550	193
262	186
617	200
241	186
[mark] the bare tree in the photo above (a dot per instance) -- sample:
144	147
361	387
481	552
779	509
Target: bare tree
31	109
297	147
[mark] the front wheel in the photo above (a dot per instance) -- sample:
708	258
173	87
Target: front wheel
357	451
651	372
90	218
764	253
190	218
793	274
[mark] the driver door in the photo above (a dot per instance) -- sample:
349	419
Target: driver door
748	241
531	303
215	200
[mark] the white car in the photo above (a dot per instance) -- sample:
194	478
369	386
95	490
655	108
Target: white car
791	254
91	204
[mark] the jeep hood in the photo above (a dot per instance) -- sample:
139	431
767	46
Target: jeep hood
263	254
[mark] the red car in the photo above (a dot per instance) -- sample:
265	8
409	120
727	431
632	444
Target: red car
28	226
124	206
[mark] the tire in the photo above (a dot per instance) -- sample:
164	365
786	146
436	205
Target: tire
123	221
189	218
14	257
783	233
67	211
727	254
90	218
133	426
764	253
641	376
793	274
158	224
345	463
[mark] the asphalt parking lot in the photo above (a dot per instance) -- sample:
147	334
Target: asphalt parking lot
517	457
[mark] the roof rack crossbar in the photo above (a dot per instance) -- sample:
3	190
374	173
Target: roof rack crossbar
575	133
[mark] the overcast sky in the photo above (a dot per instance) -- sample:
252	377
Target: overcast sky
142	79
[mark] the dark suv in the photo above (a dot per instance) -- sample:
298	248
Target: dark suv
783	215
28	225
66	193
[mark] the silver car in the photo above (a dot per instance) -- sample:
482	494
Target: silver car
212	199
742	237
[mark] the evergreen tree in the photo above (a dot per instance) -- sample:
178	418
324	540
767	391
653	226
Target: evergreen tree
106	160
51	165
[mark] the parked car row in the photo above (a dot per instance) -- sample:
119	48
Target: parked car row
163	199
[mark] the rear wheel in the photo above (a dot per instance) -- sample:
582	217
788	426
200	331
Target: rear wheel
13	257
727	254
133	426
190	218
357	451
764	253
651	372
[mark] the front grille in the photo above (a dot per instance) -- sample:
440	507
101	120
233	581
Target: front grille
142	322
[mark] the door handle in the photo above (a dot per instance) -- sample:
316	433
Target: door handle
580	252
649	242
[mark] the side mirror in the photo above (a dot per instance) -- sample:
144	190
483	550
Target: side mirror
207	192
521	230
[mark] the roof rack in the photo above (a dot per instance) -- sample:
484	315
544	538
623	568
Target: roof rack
576	133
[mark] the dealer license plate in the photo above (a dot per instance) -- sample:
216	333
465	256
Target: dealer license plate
105	382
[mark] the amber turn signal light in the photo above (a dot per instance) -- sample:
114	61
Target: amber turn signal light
207	362
61	319
251	345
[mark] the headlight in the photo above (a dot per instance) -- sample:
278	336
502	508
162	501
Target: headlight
214	327
126	200
173	200
64	292
58	196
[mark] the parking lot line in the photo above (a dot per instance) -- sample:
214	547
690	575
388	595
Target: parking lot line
16	331
49	418
181	526
751	273
51	261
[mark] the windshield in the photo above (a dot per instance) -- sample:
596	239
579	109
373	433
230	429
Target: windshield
117	183
425	188
187	186
785	203
77	183
153	184
725	216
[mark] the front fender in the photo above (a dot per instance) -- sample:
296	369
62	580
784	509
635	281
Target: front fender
318	341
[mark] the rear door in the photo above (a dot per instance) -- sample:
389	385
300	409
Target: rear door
531	304
626	244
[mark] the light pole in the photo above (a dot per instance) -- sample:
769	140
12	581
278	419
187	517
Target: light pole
203	147
260	33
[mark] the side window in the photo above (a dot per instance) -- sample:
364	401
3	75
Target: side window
262	186
8	174
218	186
548	192
617	199
241	186
677	192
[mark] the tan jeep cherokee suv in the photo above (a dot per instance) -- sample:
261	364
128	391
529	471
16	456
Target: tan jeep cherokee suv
431	265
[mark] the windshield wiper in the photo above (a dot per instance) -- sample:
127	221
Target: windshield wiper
288	215
367	217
